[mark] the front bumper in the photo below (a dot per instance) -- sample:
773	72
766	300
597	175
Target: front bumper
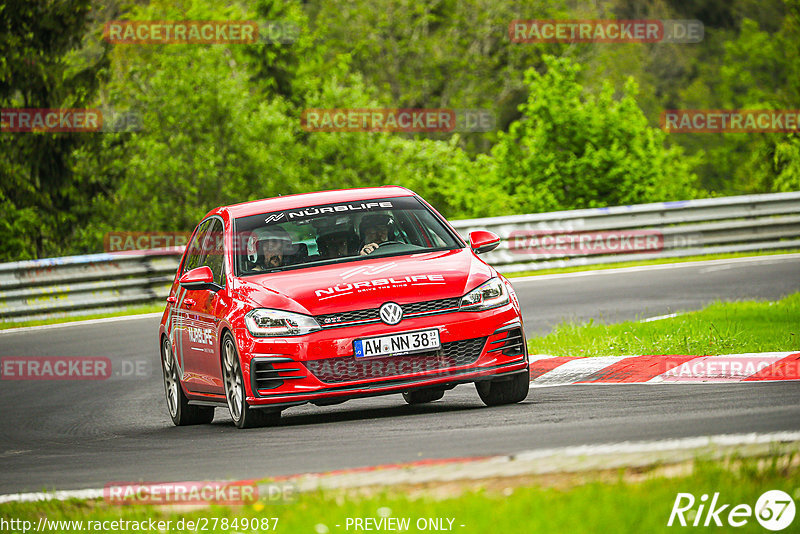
322	367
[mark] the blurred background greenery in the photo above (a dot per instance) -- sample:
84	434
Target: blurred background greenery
577	124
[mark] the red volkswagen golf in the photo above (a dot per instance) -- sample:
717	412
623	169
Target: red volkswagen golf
325	297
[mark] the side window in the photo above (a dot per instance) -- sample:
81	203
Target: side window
195	249
214	251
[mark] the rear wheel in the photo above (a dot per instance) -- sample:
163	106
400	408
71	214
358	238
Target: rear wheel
421	396
504	390
181	412
243	415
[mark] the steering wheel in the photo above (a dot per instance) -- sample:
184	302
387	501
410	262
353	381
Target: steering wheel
390	243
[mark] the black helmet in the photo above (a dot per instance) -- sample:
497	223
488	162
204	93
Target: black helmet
327	236
376	219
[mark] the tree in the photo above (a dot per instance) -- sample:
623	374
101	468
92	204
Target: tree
228	130
40	68
576	150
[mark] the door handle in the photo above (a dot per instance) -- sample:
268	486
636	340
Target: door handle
189	302
171	300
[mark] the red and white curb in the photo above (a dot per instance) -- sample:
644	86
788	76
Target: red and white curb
659	369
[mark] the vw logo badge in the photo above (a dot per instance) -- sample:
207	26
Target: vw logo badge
391	313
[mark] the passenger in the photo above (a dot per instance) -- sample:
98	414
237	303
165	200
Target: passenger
272	245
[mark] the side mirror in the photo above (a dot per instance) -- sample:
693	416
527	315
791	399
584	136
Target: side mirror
199	278
482	241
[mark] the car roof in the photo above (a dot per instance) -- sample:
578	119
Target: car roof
303	200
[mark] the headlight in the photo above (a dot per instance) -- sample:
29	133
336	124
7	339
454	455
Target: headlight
486	296
270	323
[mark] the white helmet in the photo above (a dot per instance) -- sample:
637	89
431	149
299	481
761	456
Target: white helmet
267	234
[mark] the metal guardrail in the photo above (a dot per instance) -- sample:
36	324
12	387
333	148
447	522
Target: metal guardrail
685	228
80	285
99	283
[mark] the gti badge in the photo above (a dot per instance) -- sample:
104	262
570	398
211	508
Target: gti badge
391	313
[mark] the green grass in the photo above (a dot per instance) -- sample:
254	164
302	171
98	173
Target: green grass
720	328
621	502
133	310
655	261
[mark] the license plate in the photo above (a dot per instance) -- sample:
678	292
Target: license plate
397	344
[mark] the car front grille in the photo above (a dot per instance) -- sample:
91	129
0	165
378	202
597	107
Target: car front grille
452	354
413	309
334	319
431	306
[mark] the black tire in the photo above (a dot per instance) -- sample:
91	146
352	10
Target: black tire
421	396
242	414
180	411
504	390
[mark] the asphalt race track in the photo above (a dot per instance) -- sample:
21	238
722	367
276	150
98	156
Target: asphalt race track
85	434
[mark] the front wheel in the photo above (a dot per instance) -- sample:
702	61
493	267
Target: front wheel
181	412
243	415
504	390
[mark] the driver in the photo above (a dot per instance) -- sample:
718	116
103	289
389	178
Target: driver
336	242
374	230
268	247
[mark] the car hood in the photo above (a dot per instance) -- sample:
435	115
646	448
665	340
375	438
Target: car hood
366	284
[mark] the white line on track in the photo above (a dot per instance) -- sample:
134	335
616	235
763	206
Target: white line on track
659	318
662	445
87	322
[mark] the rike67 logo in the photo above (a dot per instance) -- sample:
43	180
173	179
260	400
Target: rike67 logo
774	510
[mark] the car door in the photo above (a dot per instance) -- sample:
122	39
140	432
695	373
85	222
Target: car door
201	347
176	322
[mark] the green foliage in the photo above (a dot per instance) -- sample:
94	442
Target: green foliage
39	194
752	69
577	150
230	131
221	123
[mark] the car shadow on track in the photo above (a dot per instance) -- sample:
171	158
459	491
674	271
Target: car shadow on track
310	415
315	416
375	409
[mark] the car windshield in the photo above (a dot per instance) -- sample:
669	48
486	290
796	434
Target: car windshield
333	233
